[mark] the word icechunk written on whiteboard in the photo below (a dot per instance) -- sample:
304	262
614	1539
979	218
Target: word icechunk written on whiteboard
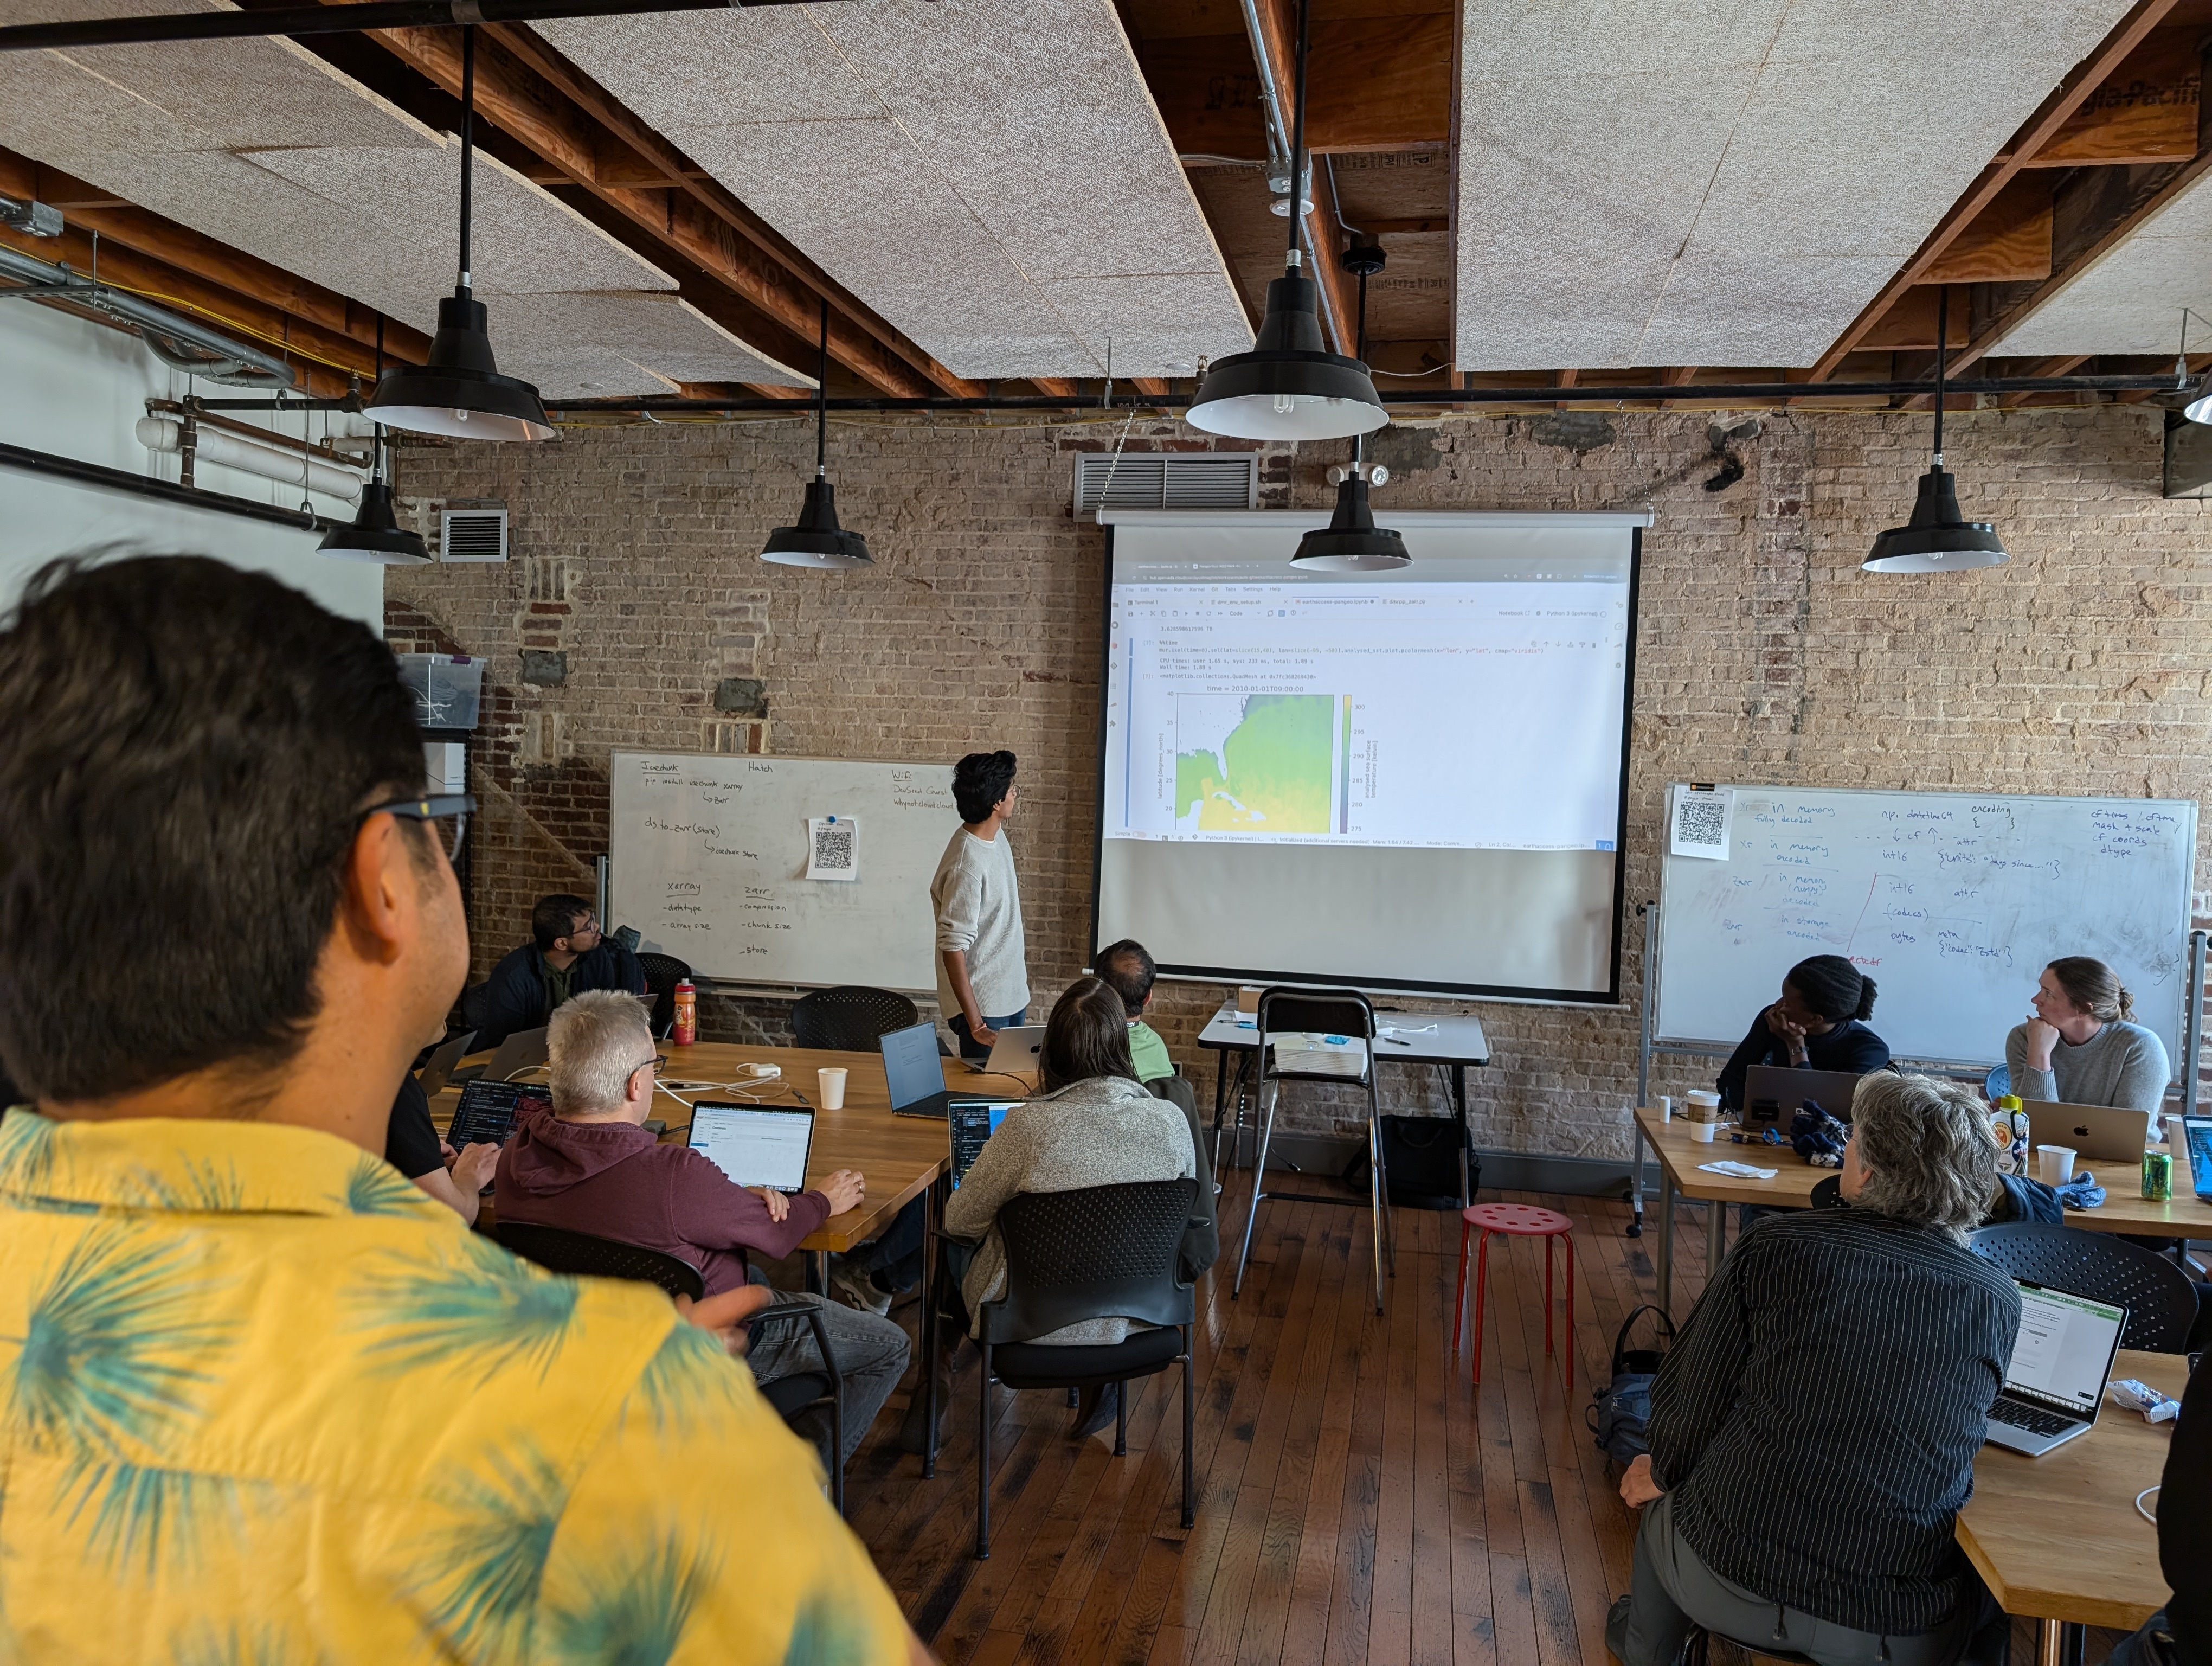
1699	826
833	847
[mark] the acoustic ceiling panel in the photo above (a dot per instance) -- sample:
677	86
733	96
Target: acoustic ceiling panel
261	145
1649	182
2130	299
963	166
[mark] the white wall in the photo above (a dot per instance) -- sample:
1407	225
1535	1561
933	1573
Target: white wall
77	389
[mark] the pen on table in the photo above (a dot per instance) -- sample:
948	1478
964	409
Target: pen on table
1394	1040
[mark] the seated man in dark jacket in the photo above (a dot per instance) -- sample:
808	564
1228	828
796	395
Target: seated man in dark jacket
1813	1430
591	1167
567	954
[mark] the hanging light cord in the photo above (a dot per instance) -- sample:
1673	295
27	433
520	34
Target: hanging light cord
1298	136
468	137
1943	355
376	429
822	399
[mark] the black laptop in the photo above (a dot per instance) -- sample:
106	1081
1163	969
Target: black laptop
914	1072
489	1110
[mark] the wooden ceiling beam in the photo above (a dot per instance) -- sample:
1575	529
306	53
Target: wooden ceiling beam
2146	111
2065	364
1376	83
2129	34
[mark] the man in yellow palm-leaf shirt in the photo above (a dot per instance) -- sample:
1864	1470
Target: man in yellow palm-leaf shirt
261	1399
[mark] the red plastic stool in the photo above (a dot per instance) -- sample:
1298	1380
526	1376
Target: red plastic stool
1523	1220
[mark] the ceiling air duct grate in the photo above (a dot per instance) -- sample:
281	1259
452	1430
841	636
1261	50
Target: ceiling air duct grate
475	533
1152	480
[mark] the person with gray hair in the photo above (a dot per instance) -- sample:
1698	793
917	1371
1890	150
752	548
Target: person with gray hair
1813	1431
592	1166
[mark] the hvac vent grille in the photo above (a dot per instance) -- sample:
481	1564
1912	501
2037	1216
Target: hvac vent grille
472	534
1156	480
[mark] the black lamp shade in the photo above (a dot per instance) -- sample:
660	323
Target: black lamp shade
818	540
1290	386
1938	538
1351	542
2199	408
459	392
376	534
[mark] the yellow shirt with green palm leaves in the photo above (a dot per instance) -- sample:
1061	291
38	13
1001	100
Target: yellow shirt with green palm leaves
263	1401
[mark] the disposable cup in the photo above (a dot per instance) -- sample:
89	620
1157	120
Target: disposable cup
831	1079
2054	1164
1704	1105
1703	1132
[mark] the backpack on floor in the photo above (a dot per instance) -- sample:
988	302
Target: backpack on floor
1421	1155
1619	1412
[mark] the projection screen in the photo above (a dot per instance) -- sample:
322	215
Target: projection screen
1412	781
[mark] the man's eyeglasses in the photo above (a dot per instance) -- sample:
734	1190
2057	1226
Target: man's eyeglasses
446	813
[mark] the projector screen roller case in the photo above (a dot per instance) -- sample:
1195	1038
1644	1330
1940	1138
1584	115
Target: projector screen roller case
1410	780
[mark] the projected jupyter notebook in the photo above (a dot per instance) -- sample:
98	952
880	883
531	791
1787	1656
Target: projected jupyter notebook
1406	779
755	1144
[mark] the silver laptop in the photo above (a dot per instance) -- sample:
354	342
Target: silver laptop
2060	1360
2102	1133
760	1146
1786	1088
441	1067
1015	1052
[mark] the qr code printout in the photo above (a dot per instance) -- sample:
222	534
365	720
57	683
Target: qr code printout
833	847
1701	818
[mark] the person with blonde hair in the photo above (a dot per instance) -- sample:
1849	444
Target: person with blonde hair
2081	1047
1814	1430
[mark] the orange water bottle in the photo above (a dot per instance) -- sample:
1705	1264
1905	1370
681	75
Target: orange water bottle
687	1012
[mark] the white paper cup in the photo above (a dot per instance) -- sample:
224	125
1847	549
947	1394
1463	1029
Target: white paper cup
831	1080
2054	1164
1703	1104
1665	1105
1703	1133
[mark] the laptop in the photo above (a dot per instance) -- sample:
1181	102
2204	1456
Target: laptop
972	1121
2106	1133
489	1110
1772	1094
2060	1360
914	1071
2194	1148
519	1051
763	1146
1015	1052
441	1067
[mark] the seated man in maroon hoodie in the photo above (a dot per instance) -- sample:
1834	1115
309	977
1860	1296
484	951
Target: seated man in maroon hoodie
590	1167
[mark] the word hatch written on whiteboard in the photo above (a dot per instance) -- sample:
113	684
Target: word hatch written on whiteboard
712	857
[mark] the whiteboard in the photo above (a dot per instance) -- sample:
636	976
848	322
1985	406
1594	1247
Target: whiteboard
709	854
1952	902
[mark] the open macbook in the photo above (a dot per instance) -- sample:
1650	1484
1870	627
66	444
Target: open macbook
1015	1051
2102	1133
2060	1362
2194	1138
436	1072
973	1121
1773	1093
489	1110
762	1146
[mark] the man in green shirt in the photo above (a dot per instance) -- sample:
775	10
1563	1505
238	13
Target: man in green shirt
1129	972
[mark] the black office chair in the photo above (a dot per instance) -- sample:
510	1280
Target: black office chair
559	1250
1102	1253
2161	1302
1329	1012
1201	1241
662	974
850	1019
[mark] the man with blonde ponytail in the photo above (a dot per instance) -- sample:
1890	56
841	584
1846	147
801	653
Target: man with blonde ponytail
2078	1046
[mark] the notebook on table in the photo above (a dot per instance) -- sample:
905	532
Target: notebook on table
2060	1360
489	1110
972	1123
759	1146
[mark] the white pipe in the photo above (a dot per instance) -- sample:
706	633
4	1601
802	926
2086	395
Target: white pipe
232	451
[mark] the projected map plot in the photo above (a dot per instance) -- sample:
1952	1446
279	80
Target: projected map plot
1261	763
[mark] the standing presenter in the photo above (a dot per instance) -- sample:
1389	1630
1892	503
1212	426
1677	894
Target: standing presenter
982	961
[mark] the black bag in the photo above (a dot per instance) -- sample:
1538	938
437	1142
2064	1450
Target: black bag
1619	1412
1421	1155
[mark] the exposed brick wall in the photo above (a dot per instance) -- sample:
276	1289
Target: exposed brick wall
1765	653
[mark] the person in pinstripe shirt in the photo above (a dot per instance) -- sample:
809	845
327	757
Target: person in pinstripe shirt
1813	1432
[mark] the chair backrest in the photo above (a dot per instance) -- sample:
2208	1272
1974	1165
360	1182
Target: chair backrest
1827	1193
850	1019
662	973
559	1250
1104	1252
1317	1012
2160	1300
1201	1243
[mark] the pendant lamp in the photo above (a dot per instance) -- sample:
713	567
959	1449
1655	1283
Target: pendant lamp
376	534
1938	538
2199	408
459	392
1352	541
818	540
1290	386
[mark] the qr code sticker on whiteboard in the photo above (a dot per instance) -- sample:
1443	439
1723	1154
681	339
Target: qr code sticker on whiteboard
833	847
1701	822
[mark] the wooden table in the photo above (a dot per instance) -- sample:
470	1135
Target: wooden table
2124	1209
2057	1538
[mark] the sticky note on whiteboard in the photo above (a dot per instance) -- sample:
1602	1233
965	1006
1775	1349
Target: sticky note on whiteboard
1698	825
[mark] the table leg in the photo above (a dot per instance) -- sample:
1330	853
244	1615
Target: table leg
817	1273
1666	1243
1458	1104
1716	1237
930	1252
2049	1651
1636	1178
